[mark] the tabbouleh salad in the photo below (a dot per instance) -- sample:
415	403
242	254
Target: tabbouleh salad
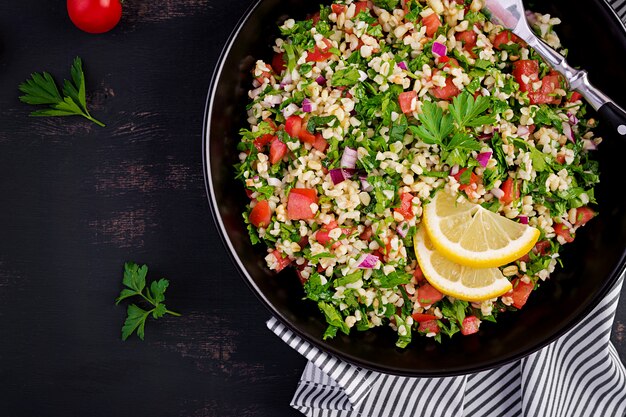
366	110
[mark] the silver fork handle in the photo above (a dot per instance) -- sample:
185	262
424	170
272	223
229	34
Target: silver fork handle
579	81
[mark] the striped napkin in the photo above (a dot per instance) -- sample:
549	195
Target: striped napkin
578	375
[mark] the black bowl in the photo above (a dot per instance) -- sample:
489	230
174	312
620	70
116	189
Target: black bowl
593	263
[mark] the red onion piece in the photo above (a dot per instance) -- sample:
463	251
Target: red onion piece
573	120
337	175
306	105
367	261
402	65
523	131
483	158
497	193
523	219
348	159
320	80
274	182
365	185
403	229
485	136
439	49
567	131
286	80
589	145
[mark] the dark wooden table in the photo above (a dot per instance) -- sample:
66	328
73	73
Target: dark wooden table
79	200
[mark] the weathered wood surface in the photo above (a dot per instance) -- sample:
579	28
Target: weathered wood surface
79	200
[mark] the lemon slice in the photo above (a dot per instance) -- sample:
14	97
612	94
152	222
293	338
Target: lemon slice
471	235
462	282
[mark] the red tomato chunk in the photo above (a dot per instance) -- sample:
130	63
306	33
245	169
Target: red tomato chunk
427	295
299	203
406	206
520	292
429	326
432	23
261	214
470	325
405	99
421	317
283	262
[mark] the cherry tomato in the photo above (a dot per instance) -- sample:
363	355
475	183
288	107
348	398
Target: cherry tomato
94	16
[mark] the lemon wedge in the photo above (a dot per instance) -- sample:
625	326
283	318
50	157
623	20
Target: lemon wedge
471	235
462	282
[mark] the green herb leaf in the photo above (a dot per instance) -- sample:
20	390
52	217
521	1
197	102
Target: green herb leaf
41	89
435	125
346	77
333	317
154	296
466	110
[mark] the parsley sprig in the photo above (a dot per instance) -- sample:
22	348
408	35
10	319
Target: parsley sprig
135	282
449	130
41	89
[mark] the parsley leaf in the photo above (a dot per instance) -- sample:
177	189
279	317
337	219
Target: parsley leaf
135	282
388	5
466	110
435	125
41	89
346	77
333	318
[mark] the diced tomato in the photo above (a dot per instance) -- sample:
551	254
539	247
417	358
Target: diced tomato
322	236
265	75
446	92
261	141
418	274
532	128
561	230
432	23
315	17
299	203
541	248
583	215
320	55
429	326
278	63
545	95
422	317
405	100
320	143
427	294
447	62
293	125
511	191
261	214
366	234
272	124
560	158
277	150
470	325
249	193
528	68
406	206
306	136
282	261
520	292
300	277
468	40
575	97
471	186
338	8
504	38
361	6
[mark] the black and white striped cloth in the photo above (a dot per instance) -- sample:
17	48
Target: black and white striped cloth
578	375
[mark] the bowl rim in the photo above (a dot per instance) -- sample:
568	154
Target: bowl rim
607	285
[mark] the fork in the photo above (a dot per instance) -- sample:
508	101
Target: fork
512	15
